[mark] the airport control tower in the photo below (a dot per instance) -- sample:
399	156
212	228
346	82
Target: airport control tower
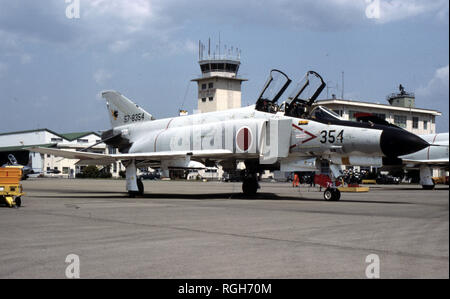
219	87
402	98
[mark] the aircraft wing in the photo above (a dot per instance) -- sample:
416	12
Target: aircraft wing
104	159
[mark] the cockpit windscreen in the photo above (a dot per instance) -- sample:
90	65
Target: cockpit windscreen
323	113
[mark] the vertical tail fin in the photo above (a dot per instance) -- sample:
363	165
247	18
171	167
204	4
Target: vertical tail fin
123	111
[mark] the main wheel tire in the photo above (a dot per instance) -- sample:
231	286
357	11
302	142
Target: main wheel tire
18	201
332	194
250	187
336	195
328	194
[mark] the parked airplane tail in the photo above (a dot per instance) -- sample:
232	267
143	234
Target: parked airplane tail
123	111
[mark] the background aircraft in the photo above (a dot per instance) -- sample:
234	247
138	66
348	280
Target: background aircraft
292	137
435	155
26	170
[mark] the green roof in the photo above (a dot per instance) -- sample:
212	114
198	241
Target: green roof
23	147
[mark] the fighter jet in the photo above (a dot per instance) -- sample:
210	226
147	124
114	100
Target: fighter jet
433	156
295	136
26	170
436	155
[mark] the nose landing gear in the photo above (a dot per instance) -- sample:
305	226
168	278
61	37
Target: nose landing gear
332	194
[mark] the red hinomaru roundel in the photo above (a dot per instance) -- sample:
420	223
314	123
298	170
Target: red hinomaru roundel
244	139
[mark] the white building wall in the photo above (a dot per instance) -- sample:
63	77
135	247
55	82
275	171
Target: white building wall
29	138
225	94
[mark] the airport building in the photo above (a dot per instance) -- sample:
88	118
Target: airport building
16	143
400	111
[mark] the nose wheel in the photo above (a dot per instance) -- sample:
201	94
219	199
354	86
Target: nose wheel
332	194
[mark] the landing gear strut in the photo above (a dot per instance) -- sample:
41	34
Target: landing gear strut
134	184
426	177
332	193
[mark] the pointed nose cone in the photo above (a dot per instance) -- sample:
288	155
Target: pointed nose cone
397	142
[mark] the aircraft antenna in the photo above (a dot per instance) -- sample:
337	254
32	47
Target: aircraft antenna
185	94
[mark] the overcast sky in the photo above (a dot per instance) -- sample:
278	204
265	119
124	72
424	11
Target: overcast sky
52	68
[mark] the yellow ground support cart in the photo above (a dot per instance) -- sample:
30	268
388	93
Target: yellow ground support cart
10	187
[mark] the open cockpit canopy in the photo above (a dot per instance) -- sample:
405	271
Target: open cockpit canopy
299	103
273	89
304	95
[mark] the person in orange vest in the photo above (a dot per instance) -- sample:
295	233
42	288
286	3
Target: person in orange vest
296	181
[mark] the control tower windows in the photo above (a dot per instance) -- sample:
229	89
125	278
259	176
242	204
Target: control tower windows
211	99
205	67
231	67
210	85
204	86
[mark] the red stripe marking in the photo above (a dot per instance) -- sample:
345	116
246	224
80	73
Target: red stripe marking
245	139
306	132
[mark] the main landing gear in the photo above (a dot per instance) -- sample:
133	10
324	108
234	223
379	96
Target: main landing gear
250	185
134	184
249	177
